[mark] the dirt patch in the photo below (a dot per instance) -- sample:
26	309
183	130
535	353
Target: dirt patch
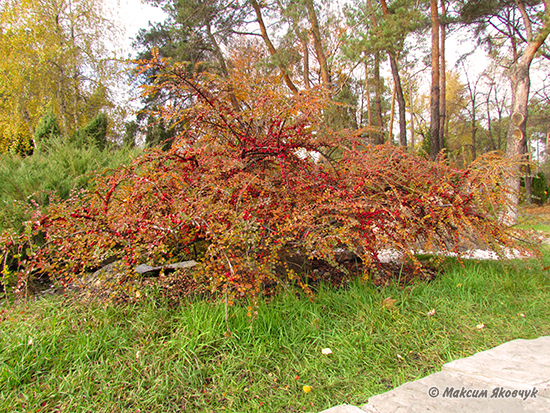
538	210
382	274
114	284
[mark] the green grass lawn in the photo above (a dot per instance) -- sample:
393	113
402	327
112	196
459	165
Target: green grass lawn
535	218
66	356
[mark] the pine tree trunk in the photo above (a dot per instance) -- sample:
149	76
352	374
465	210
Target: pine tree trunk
489	120
223	65
516	143
398	89
307	82
443	80
271	47
528	185
392	116
434	101
317	44
411	113
379	137
516	137
400	101
474	131
367	95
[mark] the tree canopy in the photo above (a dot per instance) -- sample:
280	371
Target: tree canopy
55	58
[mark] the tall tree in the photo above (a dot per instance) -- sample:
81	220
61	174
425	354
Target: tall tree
442	77
195	31
526	26
318	44
304	24
294	14
473	92
516	139
378	89
382	27
397	84
271	47
435	91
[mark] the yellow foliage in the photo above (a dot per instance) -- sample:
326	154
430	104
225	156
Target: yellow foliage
52	57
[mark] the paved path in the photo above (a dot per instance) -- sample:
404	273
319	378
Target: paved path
513	377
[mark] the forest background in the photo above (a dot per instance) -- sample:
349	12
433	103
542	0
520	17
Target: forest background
375	56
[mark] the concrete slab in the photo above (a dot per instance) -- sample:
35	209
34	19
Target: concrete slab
447	392
516	362
511	378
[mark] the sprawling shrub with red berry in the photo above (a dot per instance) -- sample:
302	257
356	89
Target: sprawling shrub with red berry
255	177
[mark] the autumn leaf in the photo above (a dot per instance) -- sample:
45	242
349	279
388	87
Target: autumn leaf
306	389
389	303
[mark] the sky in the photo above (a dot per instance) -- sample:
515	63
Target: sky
132	15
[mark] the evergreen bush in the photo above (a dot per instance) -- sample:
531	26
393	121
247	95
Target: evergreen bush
48	128
540	189
53	170
94	133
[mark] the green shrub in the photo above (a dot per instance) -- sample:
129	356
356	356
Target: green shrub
48	128
53	170
130	131
94	133
540	189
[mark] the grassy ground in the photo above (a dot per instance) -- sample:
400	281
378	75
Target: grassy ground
61	355
537	218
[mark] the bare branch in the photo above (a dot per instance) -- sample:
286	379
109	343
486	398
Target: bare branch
526	19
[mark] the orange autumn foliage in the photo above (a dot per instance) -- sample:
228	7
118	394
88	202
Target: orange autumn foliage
262	179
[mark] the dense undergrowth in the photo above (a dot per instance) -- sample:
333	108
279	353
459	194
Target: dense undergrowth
60	354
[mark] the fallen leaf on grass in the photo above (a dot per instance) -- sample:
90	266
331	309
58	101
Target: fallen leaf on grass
306	389
389	303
